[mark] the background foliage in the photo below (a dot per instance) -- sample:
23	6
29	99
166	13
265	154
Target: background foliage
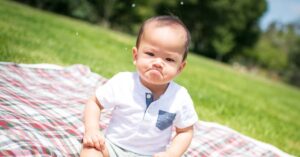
225	30
219	28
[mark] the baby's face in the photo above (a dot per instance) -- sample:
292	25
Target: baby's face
159	57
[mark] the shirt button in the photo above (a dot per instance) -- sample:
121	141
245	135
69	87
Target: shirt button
148	96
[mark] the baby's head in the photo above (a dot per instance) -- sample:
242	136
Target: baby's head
161	50
168	21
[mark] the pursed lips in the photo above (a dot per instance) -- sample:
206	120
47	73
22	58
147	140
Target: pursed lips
155	69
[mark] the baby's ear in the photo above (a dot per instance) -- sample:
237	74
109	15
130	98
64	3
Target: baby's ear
134	54
181	67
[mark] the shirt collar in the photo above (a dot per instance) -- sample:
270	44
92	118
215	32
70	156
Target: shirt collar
144	89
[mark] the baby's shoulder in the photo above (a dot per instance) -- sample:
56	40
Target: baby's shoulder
122	79
178	89
181	94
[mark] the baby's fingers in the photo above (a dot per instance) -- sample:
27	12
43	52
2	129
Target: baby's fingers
102	143
97	142
88	141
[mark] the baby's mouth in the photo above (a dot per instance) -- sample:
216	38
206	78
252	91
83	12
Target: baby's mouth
155	72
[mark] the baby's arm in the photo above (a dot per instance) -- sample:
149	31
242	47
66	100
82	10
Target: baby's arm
92	135
180	143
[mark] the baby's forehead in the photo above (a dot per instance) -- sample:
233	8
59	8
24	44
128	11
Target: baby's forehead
172	36
170	26
157	24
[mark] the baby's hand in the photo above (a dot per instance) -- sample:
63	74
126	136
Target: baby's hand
161	154
94	139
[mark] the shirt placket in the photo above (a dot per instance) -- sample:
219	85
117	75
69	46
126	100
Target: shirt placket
148	99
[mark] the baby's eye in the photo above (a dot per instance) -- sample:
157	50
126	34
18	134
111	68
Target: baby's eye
170	60
150	53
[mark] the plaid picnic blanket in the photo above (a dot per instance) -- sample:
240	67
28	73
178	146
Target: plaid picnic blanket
41	115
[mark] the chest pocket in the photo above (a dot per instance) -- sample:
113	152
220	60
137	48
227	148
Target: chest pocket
164	119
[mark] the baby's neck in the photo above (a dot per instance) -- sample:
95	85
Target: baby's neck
157	90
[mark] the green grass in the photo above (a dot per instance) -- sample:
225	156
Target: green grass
255	106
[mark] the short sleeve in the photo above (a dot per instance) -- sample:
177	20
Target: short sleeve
186	115
105	94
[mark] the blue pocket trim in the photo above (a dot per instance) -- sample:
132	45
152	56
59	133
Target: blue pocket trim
164	119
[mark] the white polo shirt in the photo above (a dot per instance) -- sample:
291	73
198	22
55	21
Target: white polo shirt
136	127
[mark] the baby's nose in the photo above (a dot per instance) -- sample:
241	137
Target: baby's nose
158	63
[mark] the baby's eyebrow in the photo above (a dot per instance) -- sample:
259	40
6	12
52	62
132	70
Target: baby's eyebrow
149	49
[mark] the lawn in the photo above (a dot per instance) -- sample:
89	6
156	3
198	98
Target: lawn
253	105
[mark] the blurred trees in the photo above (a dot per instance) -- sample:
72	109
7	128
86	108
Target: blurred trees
117	14
293	72
277	51
220	29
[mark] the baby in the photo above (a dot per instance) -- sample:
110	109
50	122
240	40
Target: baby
146	104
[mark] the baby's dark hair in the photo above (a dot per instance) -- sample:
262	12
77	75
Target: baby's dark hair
166	20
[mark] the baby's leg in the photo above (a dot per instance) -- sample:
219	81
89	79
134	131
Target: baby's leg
93	152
